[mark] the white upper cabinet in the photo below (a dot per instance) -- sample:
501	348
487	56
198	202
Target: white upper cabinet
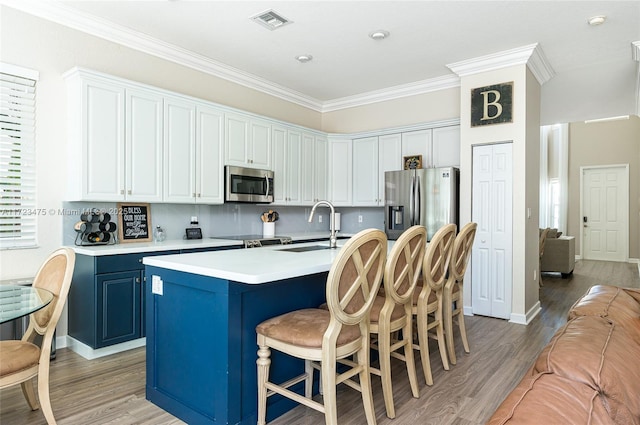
193	138
372	156
279	162
321	169
247	141
179	150
340	172
143	146
209	172
286	154
115	150
446	146
417	143
365	172
307	169
439	147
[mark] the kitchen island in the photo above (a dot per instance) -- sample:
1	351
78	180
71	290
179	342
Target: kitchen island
201	314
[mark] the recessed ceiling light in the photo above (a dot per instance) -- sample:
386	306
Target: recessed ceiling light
304	58
270	19
596	20
379	34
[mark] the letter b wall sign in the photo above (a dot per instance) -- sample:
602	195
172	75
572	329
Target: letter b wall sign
492	104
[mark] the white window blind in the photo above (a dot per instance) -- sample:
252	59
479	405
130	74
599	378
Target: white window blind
18	212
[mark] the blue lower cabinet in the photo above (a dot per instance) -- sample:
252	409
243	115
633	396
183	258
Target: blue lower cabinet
201	344
106	298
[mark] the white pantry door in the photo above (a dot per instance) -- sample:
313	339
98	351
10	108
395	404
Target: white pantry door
492	209
605	213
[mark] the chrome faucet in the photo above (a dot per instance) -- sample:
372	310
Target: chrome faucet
332	226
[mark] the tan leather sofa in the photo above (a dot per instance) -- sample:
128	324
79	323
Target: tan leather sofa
589	373
559	254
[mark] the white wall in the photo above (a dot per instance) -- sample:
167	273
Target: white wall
526	158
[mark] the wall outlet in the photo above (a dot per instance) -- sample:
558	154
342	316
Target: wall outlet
320	218
156	285
359	219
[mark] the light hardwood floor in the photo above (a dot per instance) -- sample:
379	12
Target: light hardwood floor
110	390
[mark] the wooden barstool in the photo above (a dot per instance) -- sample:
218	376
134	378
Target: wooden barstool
452	300
322	337
427	305
392	312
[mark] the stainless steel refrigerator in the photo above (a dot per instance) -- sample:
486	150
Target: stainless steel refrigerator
426	196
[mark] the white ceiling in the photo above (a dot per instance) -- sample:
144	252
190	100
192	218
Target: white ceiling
594	71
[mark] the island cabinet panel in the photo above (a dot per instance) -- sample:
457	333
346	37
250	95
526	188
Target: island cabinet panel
201	344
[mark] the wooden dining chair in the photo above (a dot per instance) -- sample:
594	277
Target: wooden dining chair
392	312
427	302
452	300
22	360
323	337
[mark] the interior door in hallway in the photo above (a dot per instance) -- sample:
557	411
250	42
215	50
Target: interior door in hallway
605	213
491	260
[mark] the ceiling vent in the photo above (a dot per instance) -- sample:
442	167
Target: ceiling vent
271	20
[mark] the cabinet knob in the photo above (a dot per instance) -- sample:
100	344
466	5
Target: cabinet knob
129	192
139	260
122	192
137	280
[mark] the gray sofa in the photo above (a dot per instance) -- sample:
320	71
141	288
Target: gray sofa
559	254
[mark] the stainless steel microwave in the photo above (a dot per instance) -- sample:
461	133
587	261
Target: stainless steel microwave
248	185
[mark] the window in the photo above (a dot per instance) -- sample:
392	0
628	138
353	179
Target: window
18	211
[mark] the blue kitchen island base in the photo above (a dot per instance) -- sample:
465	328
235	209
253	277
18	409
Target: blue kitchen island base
201	343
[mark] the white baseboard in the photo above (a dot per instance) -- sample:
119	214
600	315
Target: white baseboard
91	353
525	319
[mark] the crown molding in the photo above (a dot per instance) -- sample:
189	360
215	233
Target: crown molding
530	55
395	92
72	18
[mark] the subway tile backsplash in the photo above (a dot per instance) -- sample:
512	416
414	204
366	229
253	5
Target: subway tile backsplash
234	219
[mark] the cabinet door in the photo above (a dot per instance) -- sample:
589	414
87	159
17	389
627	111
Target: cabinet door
321	169
236	134
102	122
340	167
389	159
143	146
418	143
365	172
307	165
118	307
259	153
209	175
446	146
279	161
294	140
179	147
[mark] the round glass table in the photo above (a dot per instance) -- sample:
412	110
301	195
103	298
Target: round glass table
18	300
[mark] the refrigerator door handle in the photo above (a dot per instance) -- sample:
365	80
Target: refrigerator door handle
412	201
417	198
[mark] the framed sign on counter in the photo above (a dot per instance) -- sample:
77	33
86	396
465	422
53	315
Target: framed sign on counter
134	223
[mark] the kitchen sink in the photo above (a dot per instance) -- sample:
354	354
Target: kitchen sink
306	248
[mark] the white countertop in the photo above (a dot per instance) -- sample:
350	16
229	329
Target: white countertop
253	266
137	247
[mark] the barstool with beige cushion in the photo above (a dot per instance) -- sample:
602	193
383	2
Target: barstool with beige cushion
322	337
427	305
392	312
21	361
453	290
